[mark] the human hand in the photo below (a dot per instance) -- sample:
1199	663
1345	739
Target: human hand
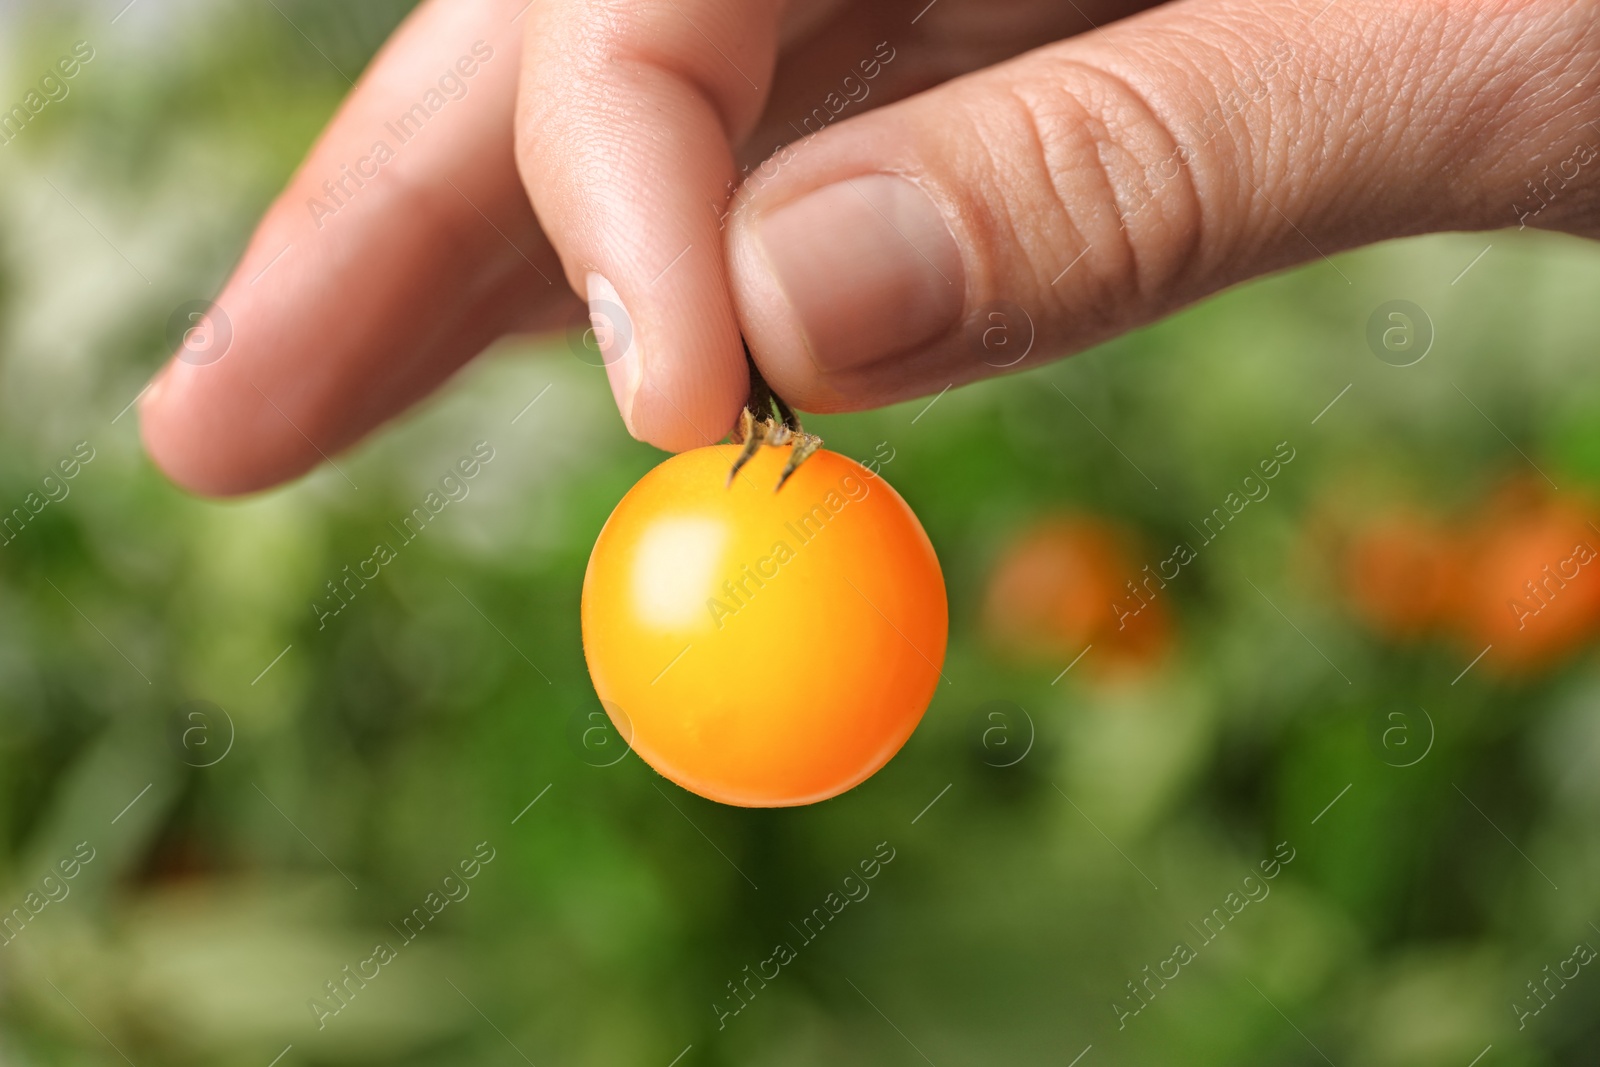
1097	183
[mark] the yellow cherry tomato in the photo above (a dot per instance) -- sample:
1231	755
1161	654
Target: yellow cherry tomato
764	648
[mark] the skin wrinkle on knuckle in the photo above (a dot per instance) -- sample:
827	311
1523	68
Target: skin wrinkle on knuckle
1257	131
1103	149
1003	215
1040	152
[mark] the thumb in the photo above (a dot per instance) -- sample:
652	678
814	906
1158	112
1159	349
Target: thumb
1100	183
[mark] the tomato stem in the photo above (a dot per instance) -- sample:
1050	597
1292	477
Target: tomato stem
766	419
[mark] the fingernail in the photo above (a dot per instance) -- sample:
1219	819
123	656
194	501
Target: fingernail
613	331
869	267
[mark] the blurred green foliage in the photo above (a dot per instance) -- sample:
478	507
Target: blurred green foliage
376	753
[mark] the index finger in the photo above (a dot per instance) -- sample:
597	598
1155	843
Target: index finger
625	124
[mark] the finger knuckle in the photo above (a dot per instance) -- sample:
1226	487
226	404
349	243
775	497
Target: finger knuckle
1110	176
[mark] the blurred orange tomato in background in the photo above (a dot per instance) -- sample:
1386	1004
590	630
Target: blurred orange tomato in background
1531	588
1052	593
1518	575
1402	572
